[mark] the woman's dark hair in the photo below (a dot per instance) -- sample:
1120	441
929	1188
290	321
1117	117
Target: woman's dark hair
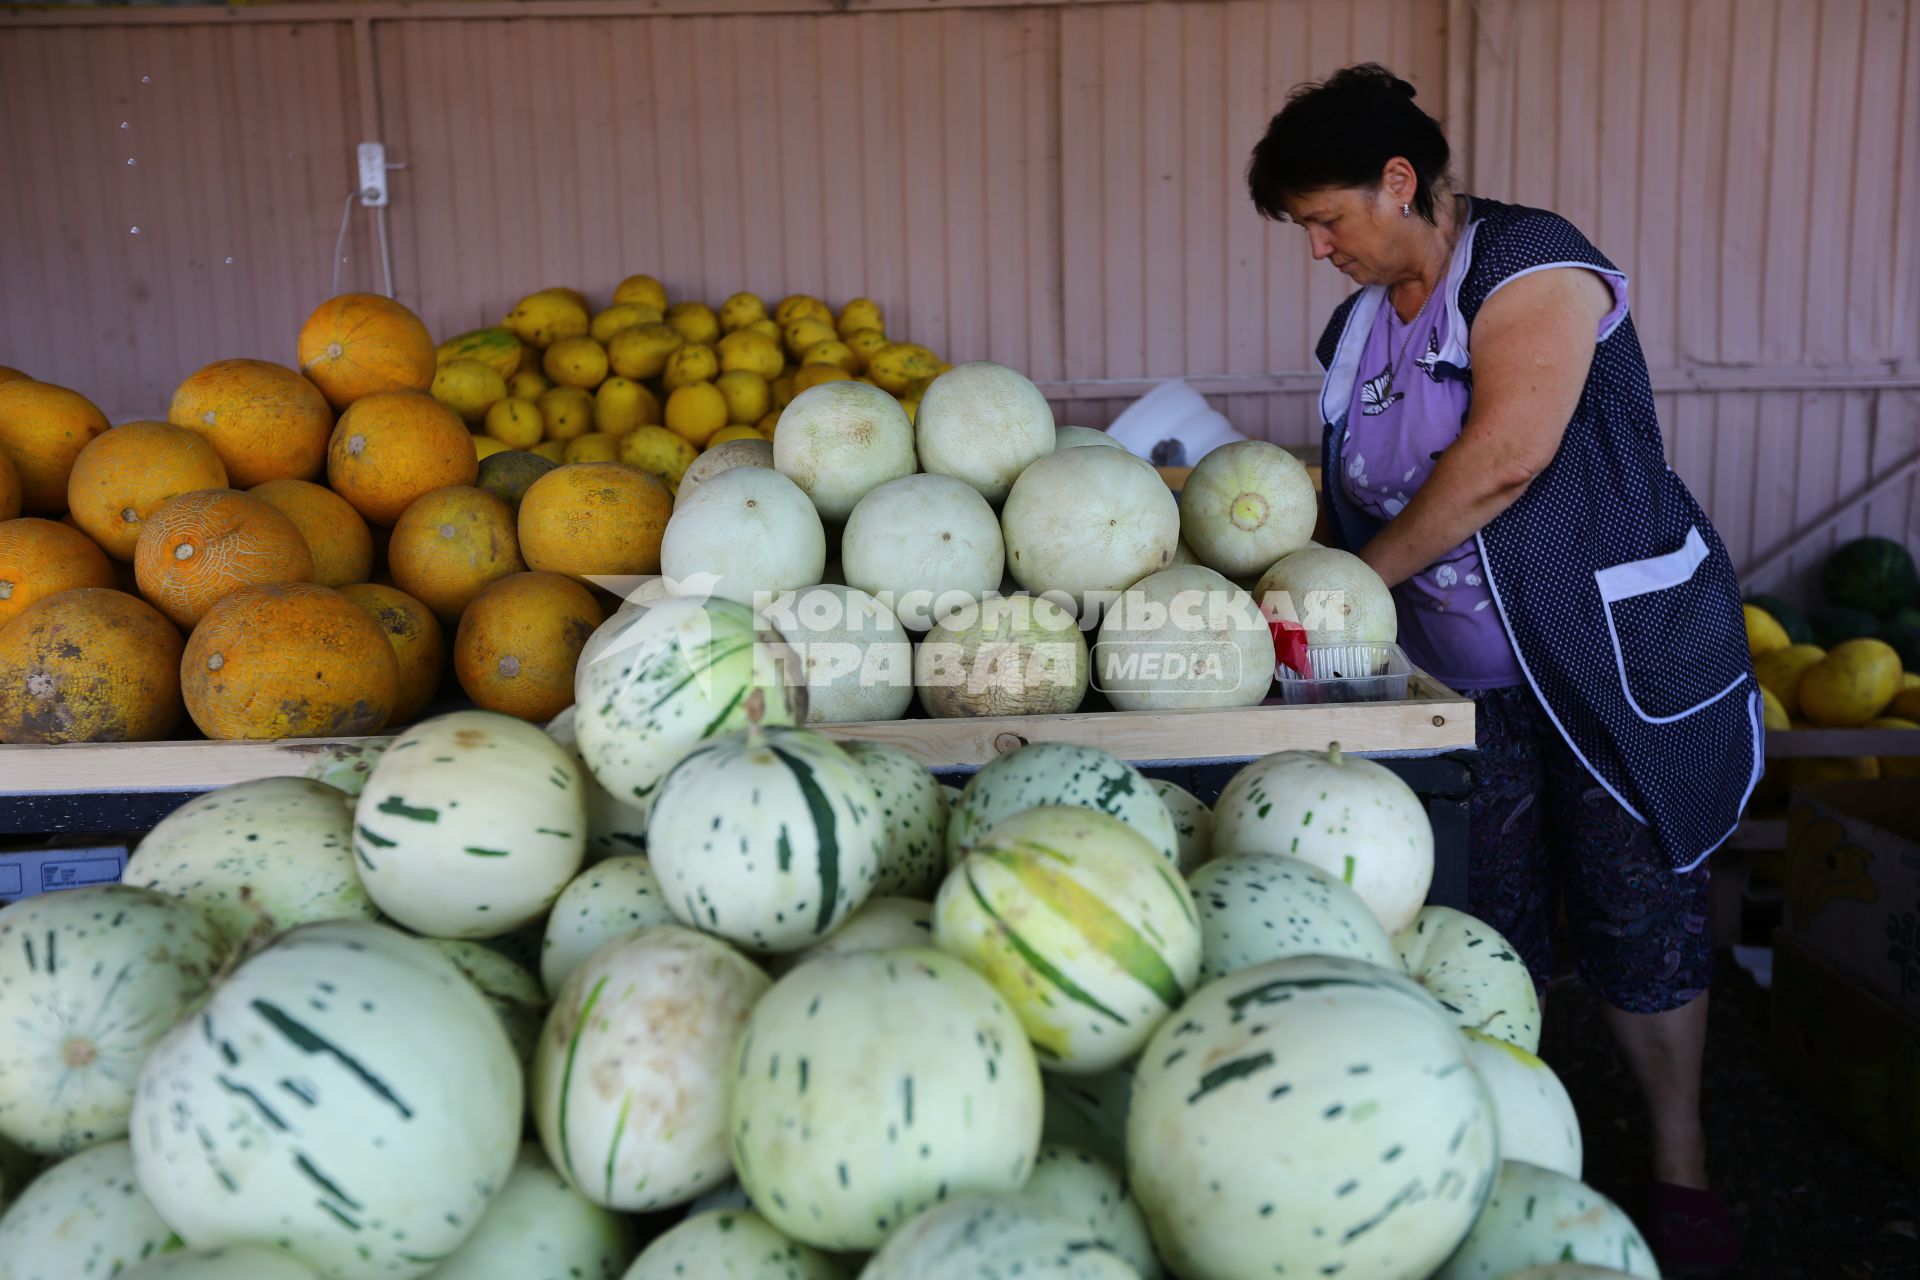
1341	133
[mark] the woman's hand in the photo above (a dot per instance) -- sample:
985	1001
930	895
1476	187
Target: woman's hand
1533	343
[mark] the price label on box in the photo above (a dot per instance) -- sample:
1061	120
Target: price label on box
28	873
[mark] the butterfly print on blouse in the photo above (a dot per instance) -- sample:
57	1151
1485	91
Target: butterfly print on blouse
1377	395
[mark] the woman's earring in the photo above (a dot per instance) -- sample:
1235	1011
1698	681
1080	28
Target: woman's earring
1406	211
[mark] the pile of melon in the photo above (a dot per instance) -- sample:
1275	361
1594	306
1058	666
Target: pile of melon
329	552
677	986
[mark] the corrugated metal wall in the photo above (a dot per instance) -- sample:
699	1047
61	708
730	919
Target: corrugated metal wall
1056	187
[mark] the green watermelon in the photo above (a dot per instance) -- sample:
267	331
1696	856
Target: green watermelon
1902	631
1875	574
1791	620
1843	622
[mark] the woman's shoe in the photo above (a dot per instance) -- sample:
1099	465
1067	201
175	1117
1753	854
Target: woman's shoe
1690	1232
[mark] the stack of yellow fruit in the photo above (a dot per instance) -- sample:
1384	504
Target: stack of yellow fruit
651	382
1856	684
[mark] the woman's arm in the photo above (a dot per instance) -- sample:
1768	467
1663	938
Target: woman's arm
1533	344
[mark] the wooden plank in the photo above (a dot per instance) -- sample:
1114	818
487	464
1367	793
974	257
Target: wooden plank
1427	725
1783	285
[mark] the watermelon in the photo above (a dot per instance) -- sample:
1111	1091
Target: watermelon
232	1262
1473	972
655	683
1311	1116
258	857
1092	1193
978	1237
606	901
538	1227
1537	1216
1791	620
871	1085
1043	773
515	994
1080	924
320	1099
1256	907
1874	574
914	806
769	838
1531	1108
1344	814
1902	631
470	825
90	980
622	1082
1840	623
729	1244
84	1217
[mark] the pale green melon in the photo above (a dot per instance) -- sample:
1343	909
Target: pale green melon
1537	1216
747	535
84	1217
1256	907
1536	1118
914	807
514	993
1086	523
606	901
1043	773
1091	1192
229	1262
840	440
1334	594
1246	505
1473	971
729	1244
1182	638
1016	655
1192	824
924	545
539	1227
982	423
983	1237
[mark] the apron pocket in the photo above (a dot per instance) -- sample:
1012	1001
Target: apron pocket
1663	622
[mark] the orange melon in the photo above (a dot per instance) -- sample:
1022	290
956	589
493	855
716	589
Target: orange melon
419	646
450	545
518	643
89	665
393	446
43	428
339	539
360	343
202	546
13	375
122	477
41	558
590	519
264	420
293	660
9	488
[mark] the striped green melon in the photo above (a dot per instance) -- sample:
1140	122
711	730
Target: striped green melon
232	1262
345	1094
769	839
614	827
84	1217
515	994
914	805
1080	924
985	1237
606	901
1256	907
1537	1216
870	1085
1469	968
1090	1112
1092	1193
729	1244
1531	1109
345	766
623	1081
655	683
1309	1116
1344	814
90	980
1192	824
470	826
1060	773
539	1228
258	857
879	924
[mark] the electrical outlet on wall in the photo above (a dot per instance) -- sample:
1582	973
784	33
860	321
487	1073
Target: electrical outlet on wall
373	174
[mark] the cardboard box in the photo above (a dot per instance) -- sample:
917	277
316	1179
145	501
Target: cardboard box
26	872
1852	883
1854	1056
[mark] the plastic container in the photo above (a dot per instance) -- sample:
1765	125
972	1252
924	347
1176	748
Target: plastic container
1348	673
1172	426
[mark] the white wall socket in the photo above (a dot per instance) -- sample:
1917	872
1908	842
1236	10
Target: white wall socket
373	174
